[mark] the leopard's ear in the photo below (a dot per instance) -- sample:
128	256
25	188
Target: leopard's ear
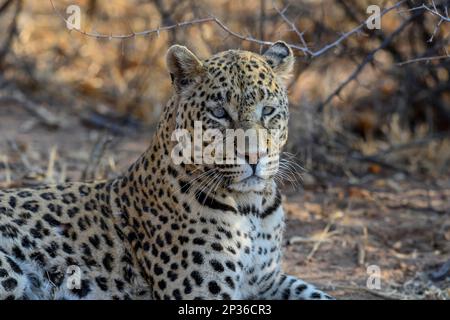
184	67
280	57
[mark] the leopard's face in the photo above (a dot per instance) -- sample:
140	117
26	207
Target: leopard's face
239	100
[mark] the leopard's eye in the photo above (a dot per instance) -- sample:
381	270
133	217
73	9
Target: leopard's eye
219	113
267	111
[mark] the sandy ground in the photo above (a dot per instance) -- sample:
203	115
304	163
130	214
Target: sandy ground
333	234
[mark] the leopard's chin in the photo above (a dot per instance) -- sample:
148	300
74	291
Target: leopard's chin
252	183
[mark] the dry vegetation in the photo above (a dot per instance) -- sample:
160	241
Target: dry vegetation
370	118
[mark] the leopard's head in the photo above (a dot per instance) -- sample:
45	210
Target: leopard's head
238	90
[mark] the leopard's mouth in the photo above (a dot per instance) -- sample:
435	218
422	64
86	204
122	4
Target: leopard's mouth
252	183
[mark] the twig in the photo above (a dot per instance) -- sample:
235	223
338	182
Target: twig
362	65
353	31
380	163
5	5
318	243
292	26
262	20
23	158
361	247
45	116
95	157
408	145
49	177
133	34
115	124
63	173
425	59
7	170
12	30
303	48
377	293
298	239
435	12
442	273
160	29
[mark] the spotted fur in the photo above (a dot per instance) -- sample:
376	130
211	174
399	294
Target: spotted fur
163	231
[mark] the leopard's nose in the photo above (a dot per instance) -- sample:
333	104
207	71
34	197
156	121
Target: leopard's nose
252	159
253	166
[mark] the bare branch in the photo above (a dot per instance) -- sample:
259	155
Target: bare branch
293	27
366	60
5	5
386	42
172	27
434	11
95	157
355	30
12	29
423	59
132	34
303	47
45	116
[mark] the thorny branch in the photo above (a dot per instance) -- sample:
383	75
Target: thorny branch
302	47
434	11
292	26
424	59
366	60
369	58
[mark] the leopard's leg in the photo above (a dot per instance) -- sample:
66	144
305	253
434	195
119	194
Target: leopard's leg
286	287
13	283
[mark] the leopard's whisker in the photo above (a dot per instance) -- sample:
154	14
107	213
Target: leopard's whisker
216	177
190	182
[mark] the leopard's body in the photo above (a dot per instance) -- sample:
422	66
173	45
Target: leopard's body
164	231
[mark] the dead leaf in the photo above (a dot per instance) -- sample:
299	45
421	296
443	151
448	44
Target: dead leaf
354	192
374	168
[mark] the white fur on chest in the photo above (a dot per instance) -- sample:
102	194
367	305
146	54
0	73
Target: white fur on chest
258	244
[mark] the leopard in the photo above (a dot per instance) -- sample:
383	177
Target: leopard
166	230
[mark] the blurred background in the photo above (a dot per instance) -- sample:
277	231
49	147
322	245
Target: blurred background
370	118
